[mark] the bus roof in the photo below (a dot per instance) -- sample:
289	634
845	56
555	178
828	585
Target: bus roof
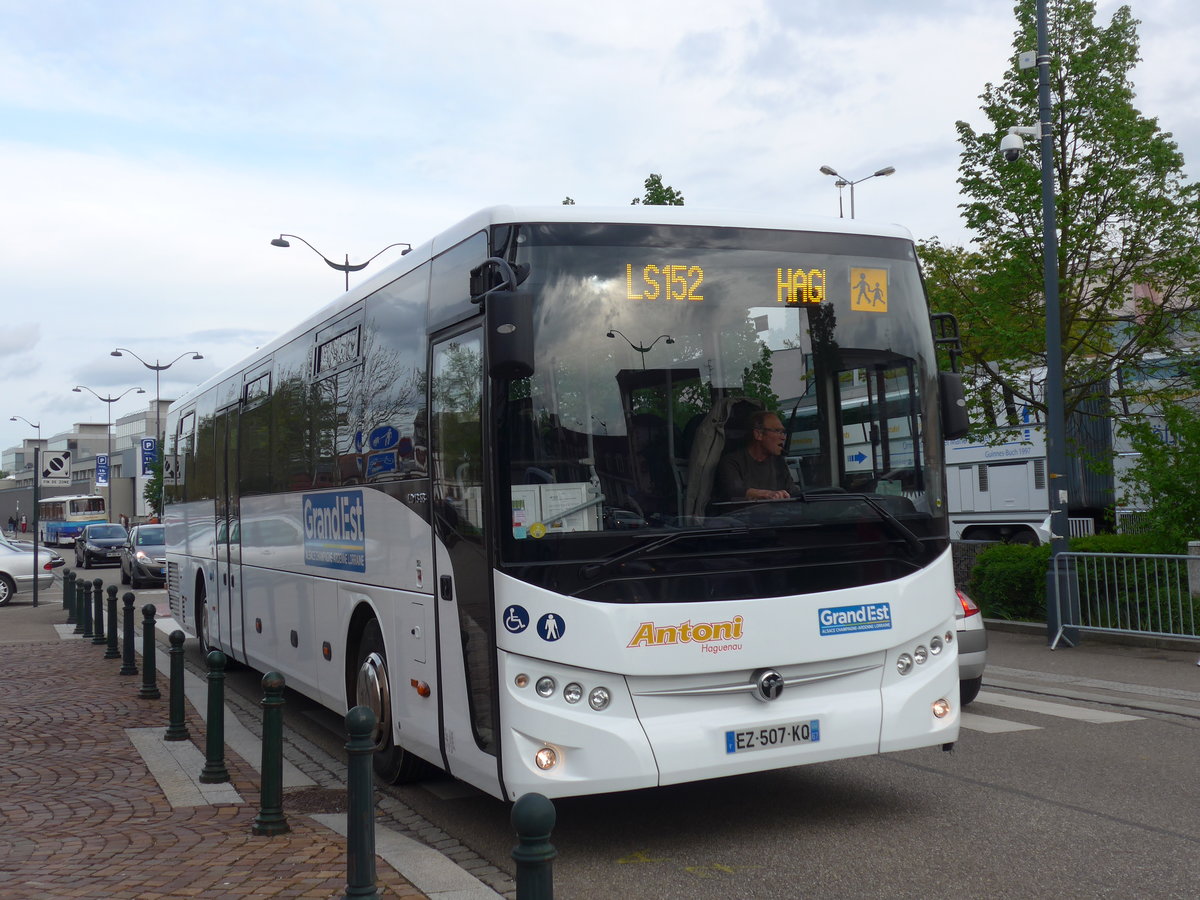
511	215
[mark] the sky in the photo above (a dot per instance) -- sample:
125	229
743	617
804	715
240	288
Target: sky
150	151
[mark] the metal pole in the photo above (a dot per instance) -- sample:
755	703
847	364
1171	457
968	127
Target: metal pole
1056	431
37	479
271	819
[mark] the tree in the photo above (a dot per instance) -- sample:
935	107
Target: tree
1128	222
658	194
152	491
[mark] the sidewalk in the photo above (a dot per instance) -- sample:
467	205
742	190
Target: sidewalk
95	805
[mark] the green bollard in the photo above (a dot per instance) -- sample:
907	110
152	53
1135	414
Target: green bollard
149	689
84	628
270	819
128	659
112	652
69	596
177	730
98	618
214	771
360	797
533	819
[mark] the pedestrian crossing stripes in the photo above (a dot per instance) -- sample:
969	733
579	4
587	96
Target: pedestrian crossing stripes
975	721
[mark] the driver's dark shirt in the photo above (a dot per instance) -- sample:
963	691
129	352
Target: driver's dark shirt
739	471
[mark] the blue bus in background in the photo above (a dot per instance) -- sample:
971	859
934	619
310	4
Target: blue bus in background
61	519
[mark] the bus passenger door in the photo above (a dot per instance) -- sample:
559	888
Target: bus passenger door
462	588
227	631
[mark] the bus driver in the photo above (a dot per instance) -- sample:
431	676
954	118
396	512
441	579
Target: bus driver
757	471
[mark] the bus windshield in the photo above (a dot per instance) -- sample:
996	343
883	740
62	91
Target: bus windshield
656	345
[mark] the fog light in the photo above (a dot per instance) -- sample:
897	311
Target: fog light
941	708
573	692
920	654
546	758
935	645
521	680
599	698
544	686
904	664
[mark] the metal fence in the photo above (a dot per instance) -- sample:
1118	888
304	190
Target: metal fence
1157	595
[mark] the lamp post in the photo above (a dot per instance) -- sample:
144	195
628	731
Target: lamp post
1056	429
37	478
843	181
638	347
158	369
346	266
108	402
36	425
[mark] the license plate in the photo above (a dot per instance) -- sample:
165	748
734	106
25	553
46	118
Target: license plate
773	736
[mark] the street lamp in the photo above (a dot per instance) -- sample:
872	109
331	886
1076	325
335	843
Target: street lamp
346	266
36	425
843	181
158	369
638	347
108	402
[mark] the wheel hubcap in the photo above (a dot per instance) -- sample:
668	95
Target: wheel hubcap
373	692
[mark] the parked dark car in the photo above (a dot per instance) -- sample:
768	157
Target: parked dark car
100	545
144	556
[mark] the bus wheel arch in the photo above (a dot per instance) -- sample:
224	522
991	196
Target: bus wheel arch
203	635
369	683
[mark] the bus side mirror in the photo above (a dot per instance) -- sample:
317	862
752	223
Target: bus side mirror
509	318
955	423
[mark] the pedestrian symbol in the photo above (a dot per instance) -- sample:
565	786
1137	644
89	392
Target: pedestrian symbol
868	290
551	627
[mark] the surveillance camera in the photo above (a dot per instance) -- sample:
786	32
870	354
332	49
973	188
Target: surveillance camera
1011	146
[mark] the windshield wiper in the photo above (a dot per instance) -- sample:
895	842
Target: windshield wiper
591	570
894	525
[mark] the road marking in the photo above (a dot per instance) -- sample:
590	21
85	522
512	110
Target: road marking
1062	710
991	725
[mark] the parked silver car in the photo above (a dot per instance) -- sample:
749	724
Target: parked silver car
972	648
17	571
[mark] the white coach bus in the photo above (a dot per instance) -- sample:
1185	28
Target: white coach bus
475	494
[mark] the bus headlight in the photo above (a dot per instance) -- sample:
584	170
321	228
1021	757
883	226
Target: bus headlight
904	663
599	698
544	686
935	645
573	692
920	654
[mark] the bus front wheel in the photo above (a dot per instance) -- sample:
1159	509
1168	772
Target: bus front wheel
372	689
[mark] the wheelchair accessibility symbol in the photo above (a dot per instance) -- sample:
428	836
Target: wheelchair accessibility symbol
516	619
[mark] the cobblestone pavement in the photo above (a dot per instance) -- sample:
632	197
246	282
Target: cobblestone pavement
82	817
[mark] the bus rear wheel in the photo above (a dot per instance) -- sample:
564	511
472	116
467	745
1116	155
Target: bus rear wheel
372	689
202	632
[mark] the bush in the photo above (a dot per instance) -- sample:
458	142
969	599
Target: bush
1009	582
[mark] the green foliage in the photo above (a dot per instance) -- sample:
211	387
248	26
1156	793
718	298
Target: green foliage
659	194
1164	476
1128	221
1009	582
1127	543
152	492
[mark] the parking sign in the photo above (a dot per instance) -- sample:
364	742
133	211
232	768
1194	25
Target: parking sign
149	454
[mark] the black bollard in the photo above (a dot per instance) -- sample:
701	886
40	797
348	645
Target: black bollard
177	730
69	597
112	652
149	689
360	799
128	660
270	819
98	618
533	819
214	771
84	628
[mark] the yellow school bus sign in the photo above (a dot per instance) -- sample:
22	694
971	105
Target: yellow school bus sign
868	290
